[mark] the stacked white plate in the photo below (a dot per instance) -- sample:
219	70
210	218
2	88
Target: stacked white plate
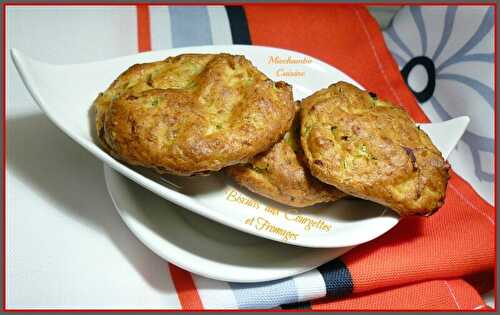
209	225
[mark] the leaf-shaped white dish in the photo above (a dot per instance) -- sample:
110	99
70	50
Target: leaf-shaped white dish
65	93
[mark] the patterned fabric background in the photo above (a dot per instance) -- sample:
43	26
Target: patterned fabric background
442	262
446	57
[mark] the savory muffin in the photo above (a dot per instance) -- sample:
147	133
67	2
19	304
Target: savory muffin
372	149
192	113
281	174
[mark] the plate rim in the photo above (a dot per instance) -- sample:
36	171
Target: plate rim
172	253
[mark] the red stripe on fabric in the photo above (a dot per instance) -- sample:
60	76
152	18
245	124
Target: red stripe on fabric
348	38
466	190
143	28
352	42
387	67
450	295
455	241
464	295
367	61
186	289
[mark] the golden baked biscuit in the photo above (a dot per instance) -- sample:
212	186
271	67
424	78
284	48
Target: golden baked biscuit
192	113
372	149
281	174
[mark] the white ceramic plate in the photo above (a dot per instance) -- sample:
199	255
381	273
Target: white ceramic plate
65	93
203	246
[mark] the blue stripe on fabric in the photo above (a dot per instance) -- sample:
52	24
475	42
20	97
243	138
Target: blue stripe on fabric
338	280
482	89
391	31
482	30
190	26
449	20
416	12
265	295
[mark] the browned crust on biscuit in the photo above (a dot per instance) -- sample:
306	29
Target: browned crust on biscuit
192	113
281	174
372	149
